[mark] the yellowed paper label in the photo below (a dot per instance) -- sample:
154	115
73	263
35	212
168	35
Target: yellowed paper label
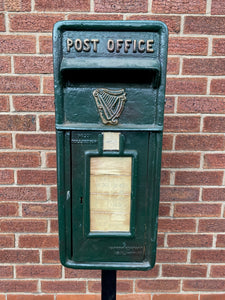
110	194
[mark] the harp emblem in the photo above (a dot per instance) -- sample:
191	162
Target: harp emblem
110	104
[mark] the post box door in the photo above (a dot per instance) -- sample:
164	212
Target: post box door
110	204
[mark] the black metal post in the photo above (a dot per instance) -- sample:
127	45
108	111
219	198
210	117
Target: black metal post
108	284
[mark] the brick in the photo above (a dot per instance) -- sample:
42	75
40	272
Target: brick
6	272
54	226
213	194
173	65
158	285
220	242
119	6
15	193
169	105
218	47
2	21
38	271
47	123
19	159
198	178
71	273
181	124
170	255
45	44
186	86
180	160
38	241
5	140
172	22
139	274
65	5
21	225
51	160
167	142
217	271
7	241
15	286
17	122
50	256
165	177
212	225
34	103
184	271
5	64
19	84
164	210
30	297
176	225
179	194
89	297
160	240
19	256
36	177
17	5
200	142
17	44
217	87
53	193
197	210
203	66
204	25
214	161
204	285
134	297
6	176
34	22
175	297
95	17
214	105
35	141
33	65
46	210
9	209
217	8
178	7
188	46
212	297
123	286
189	240
48	85
63	286
4	103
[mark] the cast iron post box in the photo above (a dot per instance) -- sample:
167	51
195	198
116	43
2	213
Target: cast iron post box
109	79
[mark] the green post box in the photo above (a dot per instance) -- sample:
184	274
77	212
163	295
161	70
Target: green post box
110	79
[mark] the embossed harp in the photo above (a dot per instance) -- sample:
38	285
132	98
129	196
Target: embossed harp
110	104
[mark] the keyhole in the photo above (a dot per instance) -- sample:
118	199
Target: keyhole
81	200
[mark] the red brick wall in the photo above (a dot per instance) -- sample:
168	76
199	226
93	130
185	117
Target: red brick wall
191	244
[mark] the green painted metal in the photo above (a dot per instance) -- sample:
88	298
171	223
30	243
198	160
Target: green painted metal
141	73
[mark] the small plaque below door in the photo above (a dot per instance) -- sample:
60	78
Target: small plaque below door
110	194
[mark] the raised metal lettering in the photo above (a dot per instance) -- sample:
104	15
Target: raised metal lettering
95	42
149	46
69	44
78	45
141	42
110	46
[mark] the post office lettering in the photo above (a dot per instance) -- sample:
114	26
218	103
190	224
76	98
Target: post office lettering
79	45
130	46
112	46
